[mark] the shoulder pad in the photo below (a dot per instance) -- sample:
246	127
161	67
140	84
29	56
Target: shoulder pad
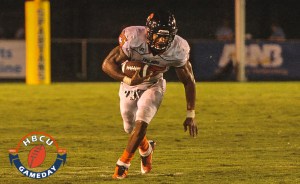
133	36
180	50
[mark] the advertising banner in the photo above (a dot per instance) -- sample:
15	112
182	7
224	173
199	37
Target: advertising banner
214	60
12	59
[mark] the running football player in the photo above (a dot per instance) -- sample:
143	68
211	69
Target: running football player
140	97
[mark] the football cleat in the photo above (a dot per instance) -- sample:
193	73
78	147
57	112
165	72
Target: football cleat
121	170
146	158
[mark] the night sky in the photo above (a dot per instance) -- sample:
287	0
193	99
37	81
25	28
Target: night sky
196	19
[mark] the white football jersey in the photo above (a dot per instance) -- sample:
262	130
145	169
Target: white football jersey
134	44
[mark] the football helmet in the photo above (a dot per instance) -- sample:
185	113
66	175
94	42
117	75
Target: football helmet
161	30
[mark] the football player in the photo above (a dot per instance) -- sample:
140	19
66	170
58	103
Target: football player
140	97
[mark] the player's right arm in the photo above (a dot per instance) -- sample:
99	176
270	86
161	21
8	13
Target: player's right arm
112	64
112	67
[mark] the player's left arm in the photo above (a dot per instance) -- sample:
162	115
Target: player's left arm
186	76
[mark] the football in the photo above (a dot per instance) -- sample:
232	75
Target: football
36	156
130	67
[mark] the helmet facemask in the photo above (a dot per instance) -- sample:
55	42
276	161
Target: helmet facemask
161	30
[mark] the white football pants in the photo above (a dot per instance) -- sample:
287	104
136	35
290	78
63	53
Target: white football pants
140	102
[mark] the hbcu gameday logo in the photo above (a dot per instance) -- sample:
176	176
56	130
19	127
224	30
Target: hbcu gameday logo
36	147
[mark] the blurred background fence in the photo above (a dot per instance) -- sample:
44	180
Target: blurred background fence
212	60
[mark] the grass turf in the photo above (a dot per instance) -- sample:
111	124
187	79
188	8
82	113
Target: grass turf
248	132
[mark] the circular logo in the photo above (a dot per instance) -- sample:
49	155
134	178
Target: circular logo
40	154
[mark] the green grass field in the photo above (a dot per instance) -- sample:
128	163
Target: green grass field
248	132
